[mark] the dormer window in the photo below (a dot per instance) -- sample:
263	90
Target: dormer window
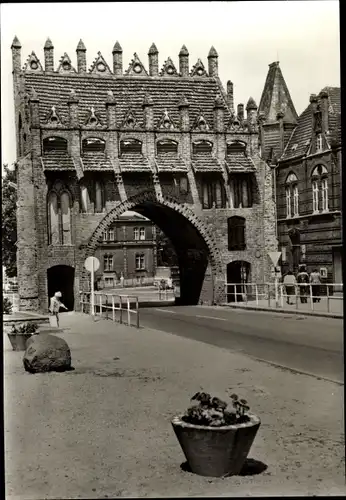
130	146
54	144
93	144
200	147
236	147
167	146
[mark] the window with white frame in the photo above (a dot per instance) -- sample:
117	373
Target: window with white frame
136	233
105	236
292	195
142	233
140	261
319	184
108	262
111	235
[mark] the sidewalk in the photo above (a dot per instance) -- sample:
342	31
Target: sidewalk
104	429
336	307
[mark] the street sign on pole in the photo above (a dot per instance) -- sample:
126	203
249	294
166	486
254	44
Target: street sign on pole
274	257
92	264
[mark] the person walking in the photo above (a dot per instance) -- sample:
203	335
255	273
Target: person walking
290	285
55	304
303	283
315	280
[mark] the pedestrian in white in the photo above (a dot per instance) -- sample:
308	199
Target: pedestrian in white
55	304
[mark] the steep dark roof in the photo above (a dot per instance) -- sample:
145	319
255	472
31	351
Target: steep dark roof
128	91
238	162
276	97
170	162
302	133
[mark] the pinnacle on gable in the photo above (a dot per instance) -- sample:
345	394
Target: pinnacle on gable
81	46
212	52
48	45
184	51
313	98
183	103
147	101
251	104
117	48
153	49
323	94
73	96
110	97
16	43
218	102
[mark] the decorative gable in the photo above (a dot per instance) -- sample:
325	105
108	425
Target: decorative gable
168	69
53	118
33	64
201	123
136	67
237	125
166	121
99	66
93	119
130	120
198	69
65	65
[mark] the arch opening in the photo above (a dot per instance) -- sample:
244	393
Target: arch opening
238	274
194	246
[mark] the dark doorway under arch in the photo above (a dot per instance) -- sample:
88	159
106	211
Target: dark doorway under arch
238	273
61	279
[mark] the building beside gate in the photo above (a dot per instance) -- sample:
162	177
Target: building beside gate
128	249
305	153
168	144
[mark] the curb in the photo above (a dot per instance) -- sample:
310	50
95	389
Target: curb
286	311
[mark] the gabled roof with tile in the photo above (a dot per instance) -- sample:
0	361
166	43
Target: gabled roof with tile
166	93
300	139
276	97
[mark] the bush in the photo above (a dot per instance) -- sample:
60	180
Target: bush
212	411
6	306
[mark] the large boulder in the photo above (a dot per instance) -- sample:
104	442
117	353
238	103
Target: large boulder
45	353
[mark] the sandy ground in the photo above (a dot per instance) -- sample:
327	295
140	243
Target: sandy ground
103	430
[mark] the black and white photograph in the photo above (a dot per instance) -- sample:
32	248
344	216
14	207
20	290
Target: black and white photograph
172	270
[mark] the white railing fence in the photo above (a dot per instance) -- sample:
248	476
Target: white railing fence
274	294
114	306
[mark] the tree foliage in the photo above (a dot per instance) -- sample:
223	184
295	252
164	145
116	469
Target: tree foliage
9	222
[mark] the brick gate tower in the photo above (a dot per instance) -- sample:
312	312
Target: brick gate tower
166	143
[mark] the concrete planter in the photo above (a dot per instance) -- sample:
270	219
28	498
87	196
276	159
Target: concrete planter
216	451
19	340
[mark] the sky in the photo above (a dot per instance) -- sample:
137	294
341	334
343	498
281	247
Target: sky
302	35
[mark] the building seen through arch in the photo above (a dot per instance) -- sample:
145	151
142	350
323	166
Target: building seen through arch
168	143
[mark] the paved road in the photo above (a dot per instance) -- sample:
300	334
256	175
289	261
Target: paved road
308	344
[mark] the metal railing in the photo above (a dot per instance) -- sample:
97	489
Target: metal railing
275	294
103	306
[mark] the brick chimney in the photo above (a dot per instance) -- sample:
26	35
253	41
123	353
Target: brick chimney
240	112
230	98
324	109
251	110
213	63
117	59
16	48
184	61
153	61
48	55
81	57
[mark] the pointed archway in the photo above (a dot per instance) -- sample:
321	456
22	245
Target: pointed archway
198	254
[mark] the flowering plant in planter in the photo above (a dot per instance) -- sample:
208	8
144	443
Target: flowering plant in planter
19	335
215	440
213	411
25	328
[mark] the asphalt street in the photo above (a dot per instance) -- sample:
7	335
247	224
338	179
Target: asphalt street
308	344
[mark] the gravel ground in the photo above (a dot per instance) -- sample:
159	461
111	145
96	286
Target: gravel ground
103	430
